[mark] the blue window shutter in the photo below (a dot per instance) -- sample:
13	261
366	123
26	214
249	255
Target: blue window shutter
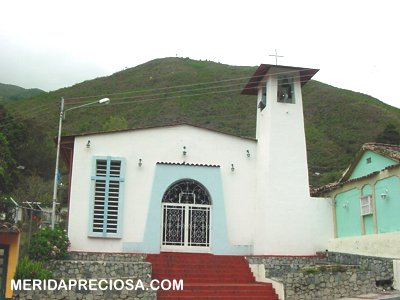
107	197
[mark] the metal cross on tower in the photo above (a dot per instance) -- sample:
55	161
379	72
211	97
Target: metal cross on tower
276	57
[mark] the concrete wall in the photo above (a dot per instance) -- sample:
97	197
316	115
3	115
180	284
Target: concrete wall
396	274
326	276
162	145
289	222
388	209
348	213
383	245
96	266
384	188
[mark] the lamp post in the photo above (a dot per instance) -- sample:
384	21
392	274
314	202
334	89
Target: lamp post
62	116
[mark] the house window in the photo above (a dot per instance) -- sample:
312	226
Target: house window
285	90
366	205
369	160
107	187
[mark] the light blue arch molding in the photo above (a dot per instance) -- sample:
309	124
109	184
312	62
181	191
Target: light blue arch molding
210	178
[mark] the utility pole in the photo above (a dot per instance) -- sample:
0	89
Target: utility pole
55	187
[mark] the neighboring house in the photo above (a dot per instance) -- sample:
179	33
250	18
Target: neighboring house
9	249
192	189
367	203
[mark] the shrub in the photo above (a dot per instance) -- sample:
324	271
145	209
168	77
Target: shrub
48	244
28	269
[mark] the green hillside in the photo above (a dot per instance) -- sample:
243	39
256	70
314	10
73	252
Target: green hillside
171	90
13	92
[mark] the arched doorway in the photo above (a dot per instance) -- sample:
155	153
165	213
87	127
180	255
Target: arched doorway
186	217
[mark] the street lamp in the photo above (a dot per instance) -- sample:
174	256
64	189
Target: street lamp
62	116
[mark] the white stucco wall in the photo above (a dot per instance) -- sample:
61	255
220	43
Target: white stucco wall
396	274
163	144
258	271
383	245
289	221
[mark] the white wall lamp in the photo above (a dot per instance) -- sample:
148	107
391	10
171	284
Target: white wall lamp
232	168
384	195
140	162
184	152
88	144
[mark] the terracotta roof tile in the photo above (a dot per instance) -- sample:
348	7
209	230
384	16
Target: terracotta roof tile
390	151
8	227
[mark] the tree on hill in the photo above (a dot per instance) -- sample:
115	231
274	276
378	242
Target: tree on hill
7	166
26	160
115	123
389	135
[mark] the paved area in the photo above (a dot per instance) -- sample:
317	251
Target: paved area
395	295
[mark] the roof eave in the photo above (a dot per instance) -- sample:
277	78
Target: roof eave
251	87
365	147
72	137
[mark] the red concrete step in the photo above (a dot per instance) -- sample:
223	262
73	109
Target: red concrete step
253	286
213	280
208	276
222	290
202	297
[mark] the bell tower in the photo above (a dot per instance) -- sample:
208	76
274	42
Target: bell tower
282	170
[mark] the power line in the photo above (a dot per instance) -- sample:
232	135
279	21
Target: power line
14	109
179	86
173	97
153	119
13	118
174	87
37	111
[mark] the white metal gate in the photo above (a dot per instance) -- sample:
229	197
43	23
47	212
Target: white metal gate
186	218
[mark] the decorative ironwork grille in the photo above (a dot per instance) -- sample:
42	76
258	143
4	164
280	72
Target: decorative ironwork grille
199	223
186	215
174	225
187	191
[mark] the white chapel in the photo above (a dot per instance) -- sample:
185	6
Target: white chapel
190	189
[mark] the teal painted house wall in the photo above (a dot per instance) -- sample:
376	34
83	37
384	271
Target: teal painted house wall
381	180
210	178
388	210
348	213
377	163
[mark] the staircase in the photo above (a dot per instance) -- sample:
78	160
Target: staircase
207	276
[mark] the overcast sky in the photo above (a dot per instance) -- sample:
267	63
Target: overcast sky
54	44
